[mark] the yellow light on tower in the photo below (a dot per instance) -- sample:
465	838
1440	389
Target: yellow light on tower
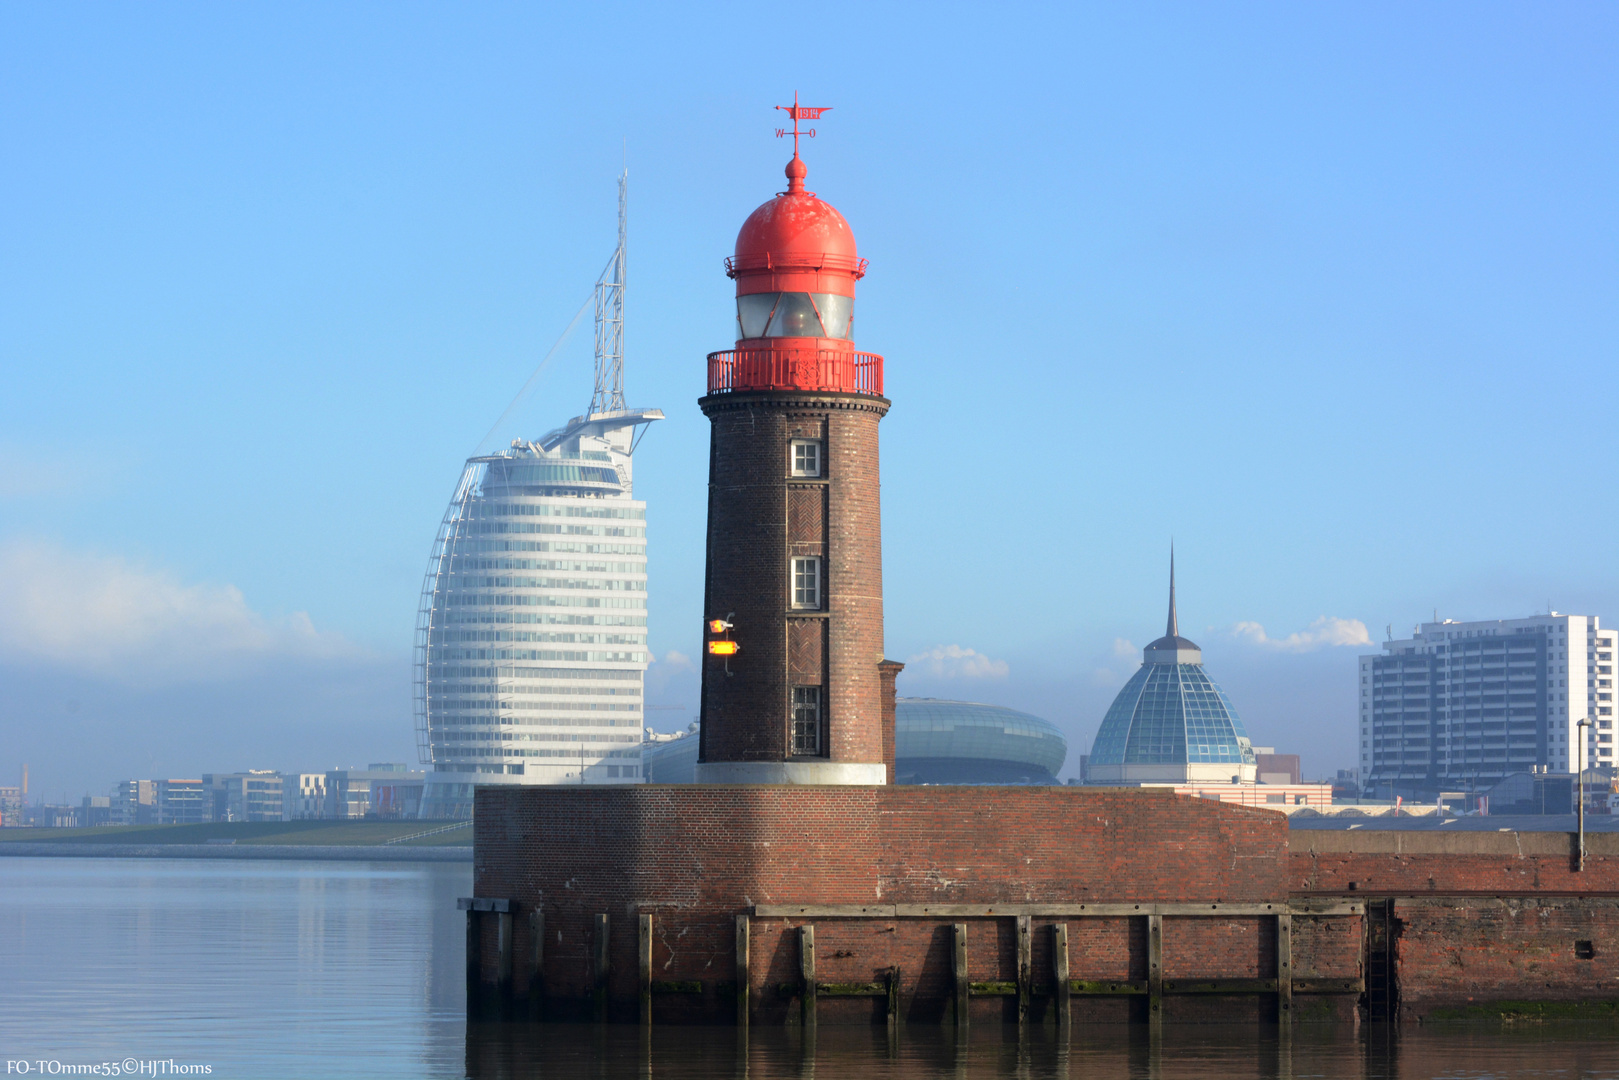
718	626
723	648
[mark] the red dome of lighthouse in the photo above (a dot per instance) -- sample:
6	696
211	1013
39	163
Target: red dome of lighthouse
796	242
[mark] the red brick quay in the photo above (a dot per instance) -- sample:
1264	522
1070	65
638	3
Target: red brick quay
797	905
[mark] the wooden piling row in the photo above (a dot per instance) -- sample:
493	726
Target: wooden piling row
810	989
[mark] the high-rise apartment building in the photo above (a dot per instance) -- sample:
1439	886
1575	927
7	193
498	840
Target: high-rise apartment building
531	635
1461	704
533	644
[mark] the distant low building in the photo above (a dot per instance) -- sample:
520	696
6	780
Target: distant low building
95	810
670	759
935	742
379	790
255	795
134	802
1551	793
1274	768
182	802
966	742
304	795
10	806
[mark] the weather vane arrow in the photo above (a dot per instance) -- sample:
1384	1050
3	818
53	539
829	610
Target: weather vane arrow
800	112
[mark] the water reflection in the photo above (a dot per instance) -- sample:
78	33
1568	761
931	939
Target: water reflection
1192	1052
323	969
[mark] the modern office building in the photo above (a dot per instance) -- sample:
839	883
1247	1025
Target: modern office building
965	742
255	795
304	796
134	802
531	636
11	804
182	802
1462	705
670	759
379	790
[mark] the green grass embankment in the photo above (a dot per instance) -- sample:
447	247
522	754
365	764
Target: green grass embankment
332	833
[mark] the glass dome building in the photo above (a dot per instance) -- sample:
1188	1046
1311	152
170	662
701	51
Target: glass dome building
1172	723
963	742
935	742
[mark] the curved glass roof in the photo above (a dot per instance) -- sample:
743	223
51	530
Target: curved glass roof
1171	714
966	730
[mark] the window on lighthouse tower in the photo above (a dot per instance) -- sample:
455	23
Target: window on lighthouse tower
807	582
806	719
806	457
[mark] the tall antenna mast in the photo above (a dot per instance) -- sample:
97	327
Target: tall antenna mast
609	393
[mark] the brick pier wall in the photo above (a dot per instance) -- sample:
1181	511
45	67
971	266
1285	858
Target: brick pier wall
696	857
1477	922
1389	863
1483	922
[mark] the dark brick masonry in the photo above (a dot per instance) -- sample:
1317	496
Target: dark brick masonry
759	517
1483	921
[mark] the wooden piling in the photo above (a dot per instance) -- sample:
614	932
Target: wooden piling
744	977
806	969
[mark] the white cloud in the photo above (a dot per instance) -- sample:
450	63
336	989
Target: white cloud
1326	632
676	661
1121	662
955	662
101	615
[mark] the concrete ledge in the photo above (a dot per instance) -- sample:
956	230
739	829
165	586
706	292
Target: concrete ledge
843	773
326	852
1370	841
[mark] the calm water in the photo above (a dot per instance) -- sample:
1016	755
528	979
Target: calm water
287	969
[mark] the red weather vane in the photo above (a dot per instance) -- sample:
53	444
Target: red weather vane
800	112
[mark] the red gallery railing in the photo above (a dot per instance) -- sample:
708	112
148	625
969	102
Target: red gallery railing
836	370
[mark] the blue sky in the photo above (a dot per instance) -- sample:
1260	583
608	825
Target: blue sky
1325	292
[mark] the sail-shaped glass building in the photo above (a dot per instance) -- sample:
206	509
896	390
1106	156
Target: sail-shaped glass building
531	633
531	637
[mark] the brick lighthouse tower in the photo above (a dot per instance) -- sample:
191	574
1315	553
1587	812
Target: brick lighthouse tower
794	681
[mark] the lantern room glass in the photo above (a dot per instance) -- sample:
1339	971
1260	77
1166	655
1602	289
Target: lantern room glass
794	314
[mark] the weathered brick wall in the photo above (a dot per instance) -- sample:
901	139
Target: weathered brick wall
695	857
1393	863
758	517
1457	954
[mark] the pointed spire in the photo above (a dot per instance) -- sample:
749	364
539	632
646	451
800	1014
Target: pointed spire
1174	623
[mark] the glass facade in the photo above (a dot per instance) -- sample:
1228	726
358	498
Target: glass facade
964	742
794	314
1171	714
531	642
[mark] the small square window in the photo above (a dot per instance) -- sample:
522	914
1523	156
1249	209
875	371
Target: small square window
806	719
806	457
1584	950
807	583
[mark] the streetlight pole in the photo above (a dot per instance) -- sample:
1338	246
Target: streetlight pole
1579	859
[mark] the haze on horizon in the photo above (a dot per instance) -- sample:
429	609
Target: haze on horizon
1325	294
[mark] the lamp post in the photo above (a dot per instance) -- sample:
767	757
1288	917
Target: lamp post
1579	859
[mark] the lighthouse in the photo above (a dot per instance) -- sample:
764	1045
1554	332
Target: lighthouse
794	680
